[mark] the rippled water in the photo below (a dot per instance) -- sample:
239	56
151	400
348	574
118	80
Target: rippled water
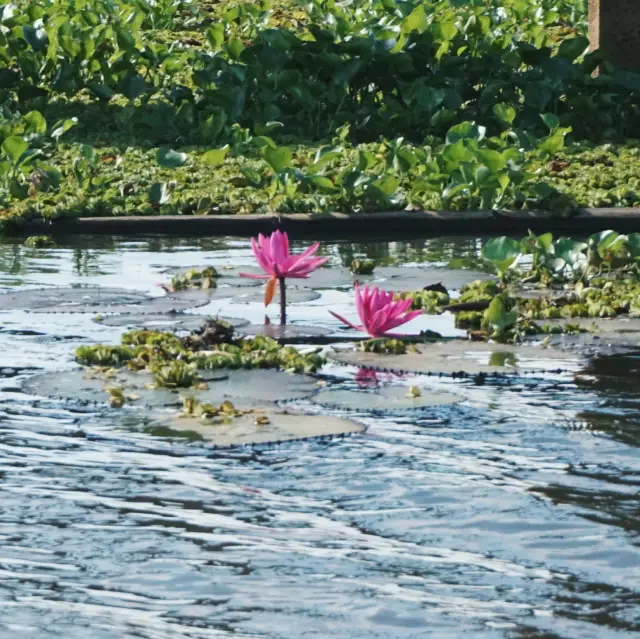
512	514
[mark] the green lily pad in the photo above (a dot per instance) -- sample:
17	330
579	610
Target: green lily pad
249	387
289	333
398	279
382	399
172	303
244	387
294	296
95	299
603	334
333	277
279	426
88	386
459	359
50	300
600	325
164	321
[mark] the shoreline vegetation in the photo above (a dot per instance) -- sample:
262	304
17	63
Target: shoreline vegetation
114	108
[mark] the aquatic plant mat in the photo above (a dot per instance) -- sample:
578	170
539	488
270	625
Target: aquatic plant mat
461	358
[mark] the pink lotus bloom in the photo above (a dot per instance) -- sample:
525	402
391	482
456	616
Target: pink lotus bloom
378	312
272	254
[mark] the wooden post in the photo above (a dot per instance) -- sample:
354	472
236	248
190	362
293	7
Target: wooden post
614	28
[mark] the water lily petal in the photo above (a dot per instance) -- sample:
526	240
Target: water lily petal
346	321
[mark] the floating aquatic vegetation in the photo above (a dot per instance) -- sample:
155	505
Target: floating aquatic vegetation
383	399
211	333
40	241
165	321
119	387
385	346
401	279
205	278
258	426
362	267
51	300
93	386
141	349
289	333
94	299
295	295
459	359
428	301
177	374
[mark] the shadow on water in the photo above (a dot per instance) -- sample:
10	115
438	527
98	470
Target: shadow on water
511	514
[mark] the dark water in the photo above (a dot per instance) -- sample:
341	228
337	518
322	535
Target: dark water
512	514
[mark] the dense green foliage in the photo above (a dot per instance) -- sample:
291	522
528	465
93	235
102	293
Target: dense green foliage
129	106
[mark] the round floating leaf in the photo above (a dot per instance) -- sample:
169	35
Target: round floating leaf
89	387
264	427
165	321
601	334
600	325
231	276
289	333
50	300
383	399
415	279
248	387
294	296
178	301
244	387
335	277
102	300
463	358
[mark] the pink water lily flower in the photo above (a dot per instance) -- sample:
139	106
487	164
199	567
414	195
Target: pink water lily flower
378	312
272	254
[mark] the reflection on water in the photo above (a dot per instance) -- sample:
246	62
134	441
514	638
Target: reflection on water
512	514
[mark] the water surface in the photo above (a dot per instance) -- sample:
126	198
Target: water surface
512	514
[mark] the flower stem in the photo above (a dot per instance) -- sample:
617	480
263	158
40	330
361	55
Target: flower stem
283	301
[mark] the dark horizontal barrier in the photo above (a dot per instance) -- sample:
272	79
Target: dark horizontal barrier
337	226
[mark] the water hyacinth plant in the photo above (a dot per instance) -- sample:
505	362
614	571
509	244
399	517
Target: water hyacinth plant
378	312
273	257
